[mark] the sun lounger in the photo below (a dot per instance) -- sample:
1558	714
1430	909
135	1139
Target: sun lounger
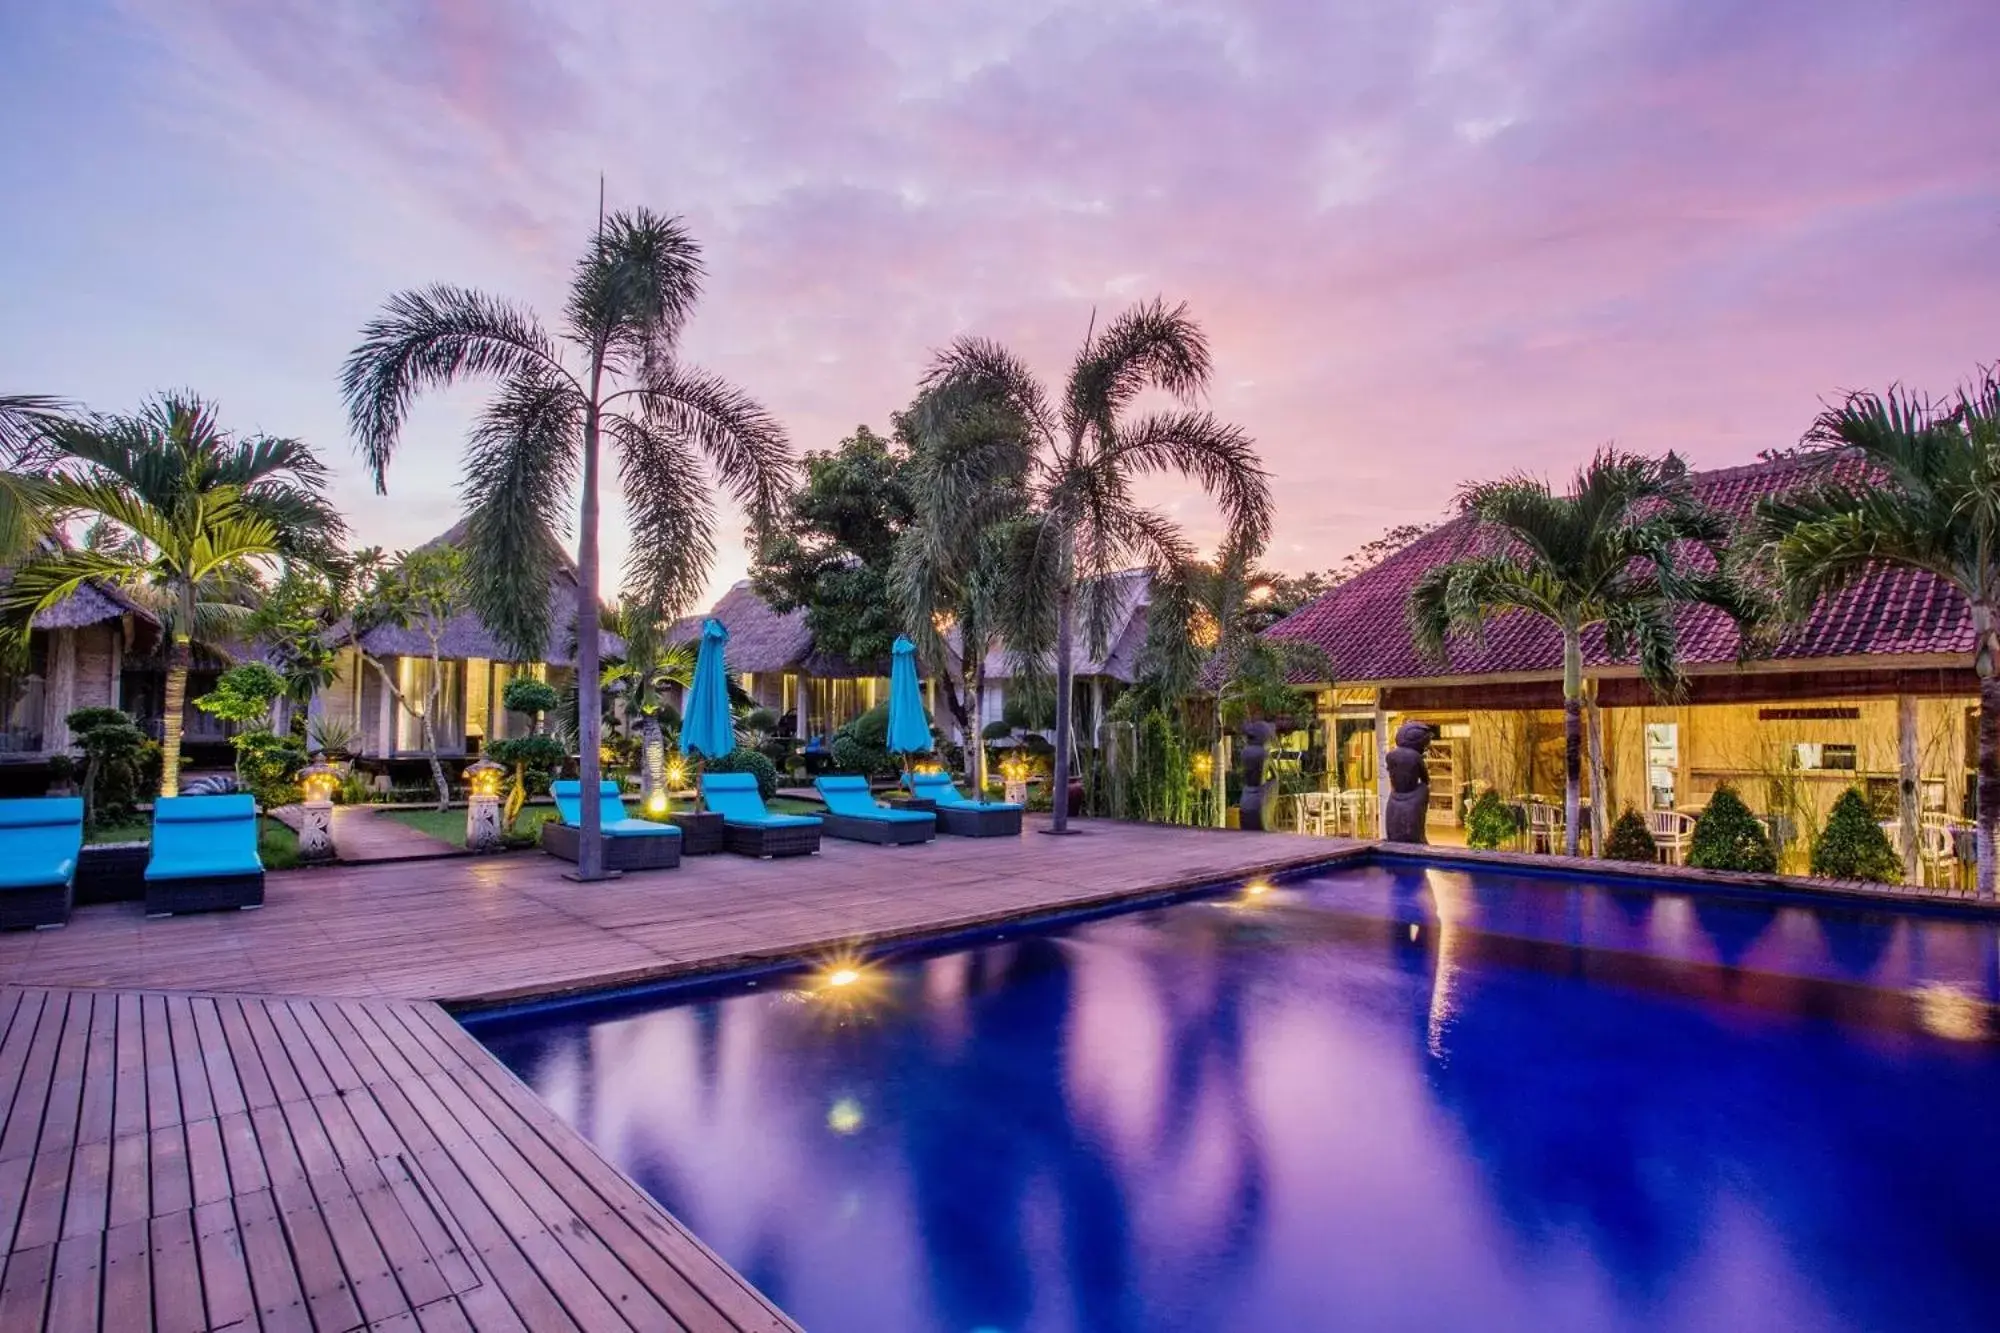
40	841
852	813
958	815
629	844
204	855
748	829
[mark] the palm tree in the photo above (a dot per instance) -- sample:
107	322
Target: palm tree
24	421
968	474
184	514
1087	451
616	373
1925	496
652	664
1613	551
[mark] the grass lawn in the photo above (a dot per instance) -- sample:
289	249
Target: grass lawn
277	845
449	825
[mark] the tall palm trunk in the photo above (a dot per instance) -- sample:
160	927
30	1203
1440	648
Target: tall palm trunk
1059	798
590	851
1572	738
1989	770
975	746
652	760
179	658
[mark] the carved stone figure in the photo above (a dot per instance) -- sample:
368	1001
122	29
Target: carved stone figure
1403	815
1257	789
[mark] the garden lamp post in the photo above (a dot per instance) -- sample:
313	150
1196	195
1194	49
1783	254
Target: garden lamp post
316	783
482	805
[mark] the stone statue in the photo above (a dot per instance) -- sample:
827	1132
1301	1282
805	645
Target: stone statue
1403	815
1257	788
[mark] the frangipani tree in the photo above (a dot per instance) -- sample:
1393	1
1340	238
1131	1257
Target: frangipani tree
614	375
1926	498
186	515
1623	548
652	665
1089	447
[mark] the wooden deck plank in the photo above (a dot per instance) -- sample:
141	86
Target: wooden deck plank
225	1272
94	1124
24	1291
129	1094
225	1086
176	1276
65	1100
128	1278
77	1286
22	1021
24	1120
163	1092
190	1068
274	1277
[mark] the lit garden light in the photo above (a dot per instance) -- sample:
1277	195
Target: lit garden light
482	805
316	784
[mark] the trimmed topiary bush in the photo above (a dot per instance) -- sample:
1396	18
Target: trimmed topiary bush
1729	837
1490	823
749	761
1630	839
862	746
1853	845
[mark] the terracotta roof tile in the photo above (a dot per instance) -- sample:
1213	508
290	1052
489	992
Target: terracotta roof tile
1362	625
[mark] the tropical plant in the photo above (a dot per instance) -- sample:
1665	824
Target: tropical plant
747	760
1083	524
834	545
199	511
1490	822
332	736
653	664
1853	845
267	765
630	296
243	696
967	481
1922	492
112	746
421	591
1619	550
534	762
295	623
1728	837
1631	839
24	420
862	745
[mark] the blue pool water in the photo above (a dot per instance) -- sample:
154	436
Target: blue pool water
1395	1097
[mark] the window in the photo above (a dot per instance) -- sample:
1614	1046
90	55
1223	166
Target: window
1816	756
1663	763
21	700
413	678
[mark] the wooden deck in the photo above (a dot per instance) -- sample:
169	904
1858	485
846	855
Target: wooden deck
260	1120
479	930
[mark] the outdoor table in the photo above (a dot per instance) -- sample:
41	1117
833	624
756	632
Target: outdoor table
918	803
701	832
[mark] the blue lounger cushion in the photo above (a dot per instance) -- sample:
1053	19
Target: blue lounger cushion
40	841
204	837
613	822
940	788
850	797
734	797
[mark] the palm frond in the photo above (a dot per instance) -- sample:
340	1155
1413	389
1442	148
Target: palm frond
741	440
672	515
1219	457
634	289
24	418
1148	346
429	339
1459	596
520	468
979	369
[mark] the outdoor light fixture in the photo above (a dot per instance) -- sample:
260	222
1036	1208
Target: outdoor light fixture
843	976
1204	767
656	804
1256	888
482	778
318	779
677	775
844	1116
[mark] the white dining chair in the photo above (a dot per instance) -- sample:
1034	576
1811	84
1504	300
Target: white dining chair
1545	827
1672	830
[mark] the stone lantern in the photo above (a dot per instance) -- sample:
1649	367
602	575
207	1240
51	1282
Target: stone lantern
317	781
482	805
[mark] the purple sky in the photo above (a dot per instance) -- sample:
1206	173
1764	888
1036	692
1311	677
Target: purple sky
1430	241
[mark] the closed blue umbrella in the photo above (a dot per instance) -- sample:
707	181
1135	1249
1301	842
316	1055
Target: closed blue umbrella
706	726
909	725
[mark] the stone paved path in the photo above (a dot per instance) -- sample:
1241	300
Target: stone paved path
363	833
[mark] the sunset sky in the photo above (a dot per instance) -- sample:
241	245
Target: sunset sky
1430	241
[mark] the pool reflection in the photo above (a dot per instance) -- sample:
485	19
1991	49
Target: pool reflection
1302	1113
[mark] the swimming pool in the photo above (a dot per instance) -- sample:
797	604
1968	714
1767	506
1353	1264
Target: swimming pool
1389	1096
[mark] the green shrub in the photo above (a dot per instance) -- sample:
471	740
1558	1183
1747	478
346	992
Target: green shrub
1490	823
1853	845
243	694
1630	839
749	761
113	763
528	696
534	762
1729	837
267	766
862	746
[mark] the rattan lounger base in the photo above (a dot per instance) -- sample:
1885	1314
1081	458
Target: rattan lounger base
782	840
38	908
204	893
971	822
882	832
656	852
